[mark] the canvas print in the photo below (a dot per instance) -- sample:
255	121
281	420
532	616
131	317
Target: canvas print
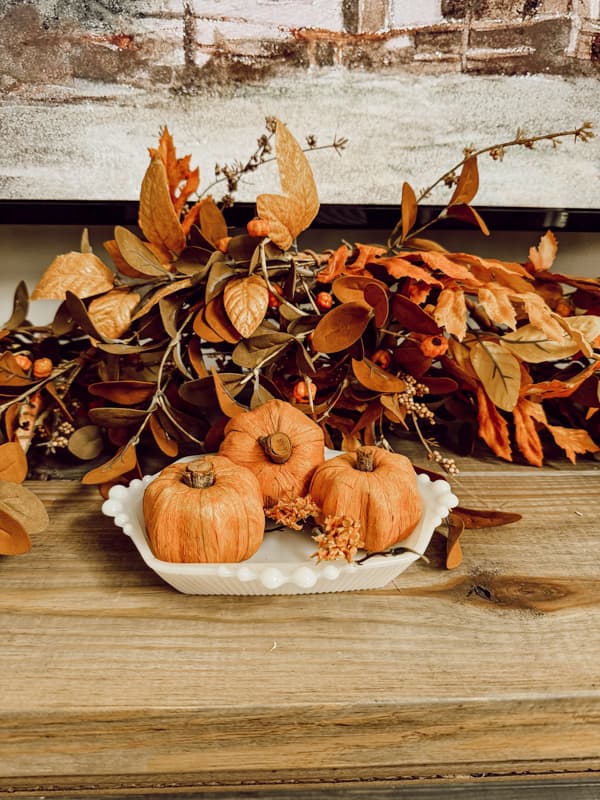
87	85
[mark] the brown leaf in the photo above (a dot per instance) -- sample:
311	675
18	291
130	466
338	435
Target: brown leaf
541	315
20	307
376	296
493	428
467	213
196	358
157	216
112	248
83	274
24	506
227	404
341	327
14	539
409	209
11	374
213	225
468	183
495	301
86	443
526	435
499	372
203	330
373	377
126	393
449	267
124	460
159	294
246	301
413	317
283	215
116	417
217	318
351	288
573	441
542	257
138	255
454	556
399	267
13	462
163	440
531	344
480	518
451	312
111	312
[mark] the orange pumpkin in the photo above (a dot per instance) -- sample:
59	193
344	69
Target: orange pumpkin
281	446
374	487
208	511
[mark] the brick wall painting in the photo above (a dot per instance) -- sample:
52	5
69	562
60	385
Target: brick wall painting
85	86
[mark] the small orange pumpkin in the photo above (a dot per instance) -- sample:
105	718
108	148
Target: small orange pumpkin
281	446
374	487
208	511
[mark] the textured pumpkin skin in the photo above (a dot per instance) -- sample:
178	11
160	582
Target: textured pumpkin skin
385	501
277	481
220	523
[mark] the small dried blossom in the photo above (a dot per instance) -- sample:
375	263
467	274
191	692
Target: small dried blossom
338	537
293	512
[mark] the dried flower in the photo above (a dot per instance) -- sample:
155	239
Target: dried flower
293	513
338	537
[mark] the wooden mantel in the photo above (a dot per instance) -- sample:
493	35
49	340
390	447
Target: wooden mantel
114	684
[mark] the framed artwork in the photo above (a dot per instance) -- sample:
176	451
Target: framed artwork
87	86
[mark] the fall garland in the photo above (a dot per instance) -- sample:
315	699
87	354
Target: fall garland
196	323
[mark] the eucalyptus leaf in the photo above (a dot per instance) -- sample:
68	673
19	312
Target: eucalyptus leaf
86	443
113	417
220	273
20	307
137	254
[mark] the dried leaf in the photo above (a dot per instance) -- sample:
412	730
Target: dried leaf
526	435
203	330
451	312
531	344
412	317
13	462
351	288
14	539
124	460
468	183
138	255
196	358
11	373
24	506
246	301
373	377
157	216
111	312
573	441
588	325
399	267
376	296
86	443
466	213
126	393
217	318
164	441
112	248
20	308
542	257
409	209
159	294
213	225
283	215
480	518
83	274
79	313
541	315
249	353
499	372
493	428
454	556
495	301
227	404
218	276
341	327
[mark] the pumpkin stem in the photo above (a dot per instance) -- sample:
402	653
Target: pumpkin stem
199	474
277	446
364	459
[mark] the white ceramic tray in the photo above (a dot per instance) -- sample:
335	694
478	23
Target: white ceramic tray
283	563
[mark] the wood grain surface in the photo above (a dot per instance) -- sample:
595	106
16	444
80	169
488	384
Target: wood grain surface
112	682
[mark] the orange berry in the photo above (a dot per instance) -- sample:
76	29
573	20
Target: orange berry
275	295
324	301
42	367
258	228
301	391
433	346
383	358
23	361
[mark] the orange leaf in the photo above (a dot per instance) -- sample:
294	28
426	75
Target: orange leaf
541	315
373	377
376	295
196	357
157	216
409	209
215	316
341	327
123	461
499	372
126	393
526	435
14	539
335	265
399	267
542	257
212	222
11	373
246	301
468	183
165	443
453	269
456	527
573	441
13	462
493	428
112	248
227	404
290	214
412	317
467	213
111	312
352	287
451	312
177	169
495	301
82	274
